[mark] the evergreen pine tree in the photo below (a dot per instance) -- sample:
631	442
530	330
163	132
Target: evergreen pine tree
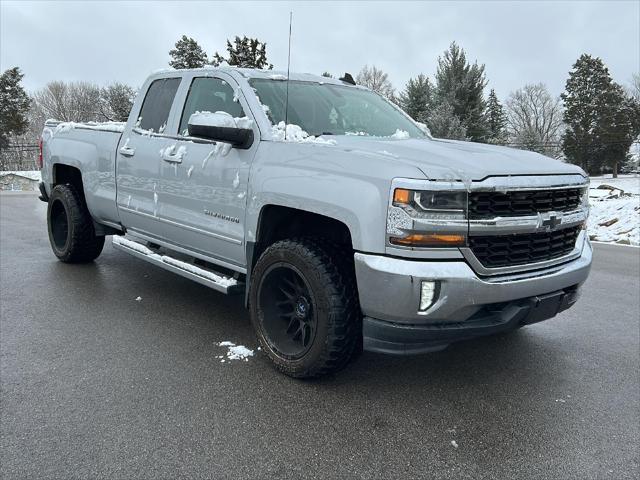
443	123
601	120
496	120
619	127
187	54
327	75
416	98
461	85
14	106
245	52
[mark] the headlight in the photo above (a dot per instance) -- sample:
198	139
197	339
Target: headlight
425	218
441	205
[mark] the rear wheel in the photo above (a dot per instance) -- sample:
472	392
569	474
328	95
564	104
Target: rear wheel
304	307
71	232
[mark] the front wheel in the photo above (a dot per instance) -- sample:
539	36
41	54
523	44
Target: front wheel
304	307
71	232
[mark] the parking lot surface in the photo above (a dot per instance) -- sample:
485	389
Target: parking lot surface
112	370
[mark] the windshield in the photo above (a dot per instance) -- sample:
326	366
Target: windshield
325	109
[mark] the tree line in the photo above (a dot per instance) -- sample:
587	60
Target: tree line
592	124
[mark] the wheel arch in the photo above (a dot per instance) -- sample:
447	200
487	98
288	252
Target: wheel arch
279	222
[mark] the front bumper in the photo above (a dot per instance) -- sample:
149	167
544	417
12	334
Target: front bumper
467	305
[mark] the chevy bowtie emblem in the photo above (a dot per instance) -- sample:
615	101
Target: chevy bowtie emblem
551	222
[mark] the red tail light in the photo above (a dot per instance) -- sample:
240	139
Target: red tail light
40	154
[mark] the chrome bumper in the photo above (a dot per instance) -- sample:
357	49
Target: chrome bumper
389	288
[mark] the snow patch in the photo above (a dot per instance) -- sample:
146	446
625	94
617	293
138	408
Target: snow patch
118	240
389	154
220	280
400	135
424	128
614	214
65	127
220	119
206	159
222	149
296	134
30	174
190	171
235	352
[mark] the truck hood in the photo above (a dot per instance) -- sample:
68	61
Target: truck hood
450	159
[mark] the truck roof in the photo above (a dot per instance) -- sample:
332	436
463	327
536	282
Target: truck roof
249	73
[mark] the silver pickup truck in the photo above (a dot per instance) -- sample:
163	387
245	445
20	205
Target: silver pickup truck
341	220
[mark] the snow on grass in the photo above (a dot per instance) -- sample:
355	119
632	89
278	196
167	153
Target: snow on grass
30	174
615	214
235	352
627	183
296	134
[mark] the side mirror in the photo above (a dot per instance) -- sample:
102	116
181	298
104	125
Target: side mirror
221	127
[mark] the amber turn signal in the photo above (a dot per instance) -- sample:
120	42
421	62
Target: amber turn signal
401	196
432	240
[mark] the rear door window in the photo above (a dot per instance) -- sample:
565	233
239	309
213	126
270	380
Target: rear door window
154	113
208	94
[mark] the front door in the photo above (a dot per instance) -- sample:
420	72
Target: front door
138	162
204	183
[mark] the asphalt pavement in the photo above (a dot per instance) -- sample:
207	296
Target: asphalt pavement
96	384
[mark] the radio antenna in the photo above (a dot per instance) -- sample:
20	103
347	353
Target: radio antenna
286	101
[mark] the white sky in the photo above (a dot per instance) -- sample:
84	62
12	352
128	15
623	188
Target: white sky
519	42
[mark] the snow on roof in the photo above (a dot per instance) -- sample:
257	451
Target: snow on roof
30	174
256	73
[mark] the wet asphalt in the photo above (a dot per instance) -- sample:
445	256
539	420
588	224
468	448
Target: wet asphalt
95	384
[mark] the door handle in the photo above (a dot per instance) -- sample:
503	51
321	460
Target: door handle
127	151
172	154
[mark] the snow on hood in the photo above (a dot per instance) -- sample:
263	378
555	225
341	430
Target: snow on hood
449	159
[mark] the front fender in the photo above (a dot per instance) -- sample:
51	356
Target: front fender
326	180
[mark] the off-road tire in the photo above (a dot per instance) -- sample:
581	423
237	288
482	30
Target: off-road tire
328	270
68	209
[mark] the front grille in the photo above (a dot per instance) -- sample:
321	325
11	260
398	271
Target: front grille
526	202
508	250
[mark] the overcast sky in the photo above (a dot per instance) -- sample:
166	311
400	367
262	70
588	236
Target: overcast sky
519	42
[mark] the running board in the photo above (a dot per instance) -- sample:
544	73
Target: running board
218	281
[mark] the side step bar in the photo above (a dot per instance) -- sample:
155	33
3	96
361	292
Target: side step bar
217	281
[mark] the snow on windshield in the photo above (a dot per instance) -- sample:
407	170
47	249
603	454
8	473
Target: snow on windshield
296	134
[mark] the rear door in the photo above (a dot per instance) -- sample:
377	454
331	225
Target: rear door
138	159
204	185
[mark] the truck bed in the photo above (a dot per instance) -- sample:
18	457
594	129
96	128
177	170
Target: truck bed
91	147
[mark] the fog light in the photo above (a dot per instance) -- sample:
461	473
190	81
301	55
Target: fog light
428	291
